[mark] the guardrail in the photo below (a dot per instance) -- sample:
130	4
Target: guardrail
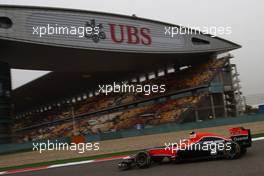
175	127
28	146
11	148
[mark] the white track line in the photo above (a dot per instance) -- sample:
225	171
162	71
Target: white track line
60	165
258	139
71	164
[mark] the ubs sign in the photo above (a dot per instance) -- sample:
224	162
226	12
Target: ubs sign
120	33
105	32
130	34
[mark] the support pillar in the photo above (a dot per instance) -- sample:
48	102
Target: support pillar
224	104
212	105
5	103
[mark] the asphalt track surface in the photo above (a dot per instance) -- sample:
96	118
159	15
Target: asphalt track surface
250	164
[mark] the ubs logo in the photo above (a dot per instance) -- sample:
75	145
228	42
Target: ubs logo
130	35
95	31
119	33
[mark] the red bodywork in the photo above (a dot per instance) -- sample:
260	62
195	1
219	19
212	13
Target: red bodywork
172	150
239	140
238	131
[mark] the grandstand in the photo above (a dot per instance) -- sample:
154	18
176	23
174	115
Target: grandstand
201	83
199	92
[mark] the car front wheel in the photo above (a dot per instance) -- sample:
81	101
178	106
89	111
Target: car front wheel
143	160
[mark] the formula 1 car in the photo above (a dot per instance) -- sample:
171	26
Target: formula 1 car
198	146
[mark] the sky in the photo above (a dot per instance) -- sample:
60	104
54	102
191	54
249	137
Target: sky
244	17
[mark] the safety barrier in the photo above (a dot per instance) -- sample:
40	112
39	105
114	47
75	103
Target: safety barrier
28	146
175	127
11	148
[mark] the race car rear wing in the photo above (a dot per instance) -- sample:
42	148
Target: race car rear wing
241	135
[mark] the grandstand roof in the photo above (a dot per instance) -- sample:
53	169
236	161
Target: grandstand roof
87	62
55	85
70	52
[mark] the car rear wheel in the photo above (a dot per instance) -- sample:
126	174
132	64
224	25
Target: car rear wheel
233	151
143	160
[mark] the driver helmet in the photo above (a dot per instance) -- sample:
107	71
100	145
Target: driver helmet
192	134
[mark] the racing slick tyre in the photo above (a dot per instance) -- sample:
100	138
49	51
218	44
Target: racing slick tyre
232	152
143	160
